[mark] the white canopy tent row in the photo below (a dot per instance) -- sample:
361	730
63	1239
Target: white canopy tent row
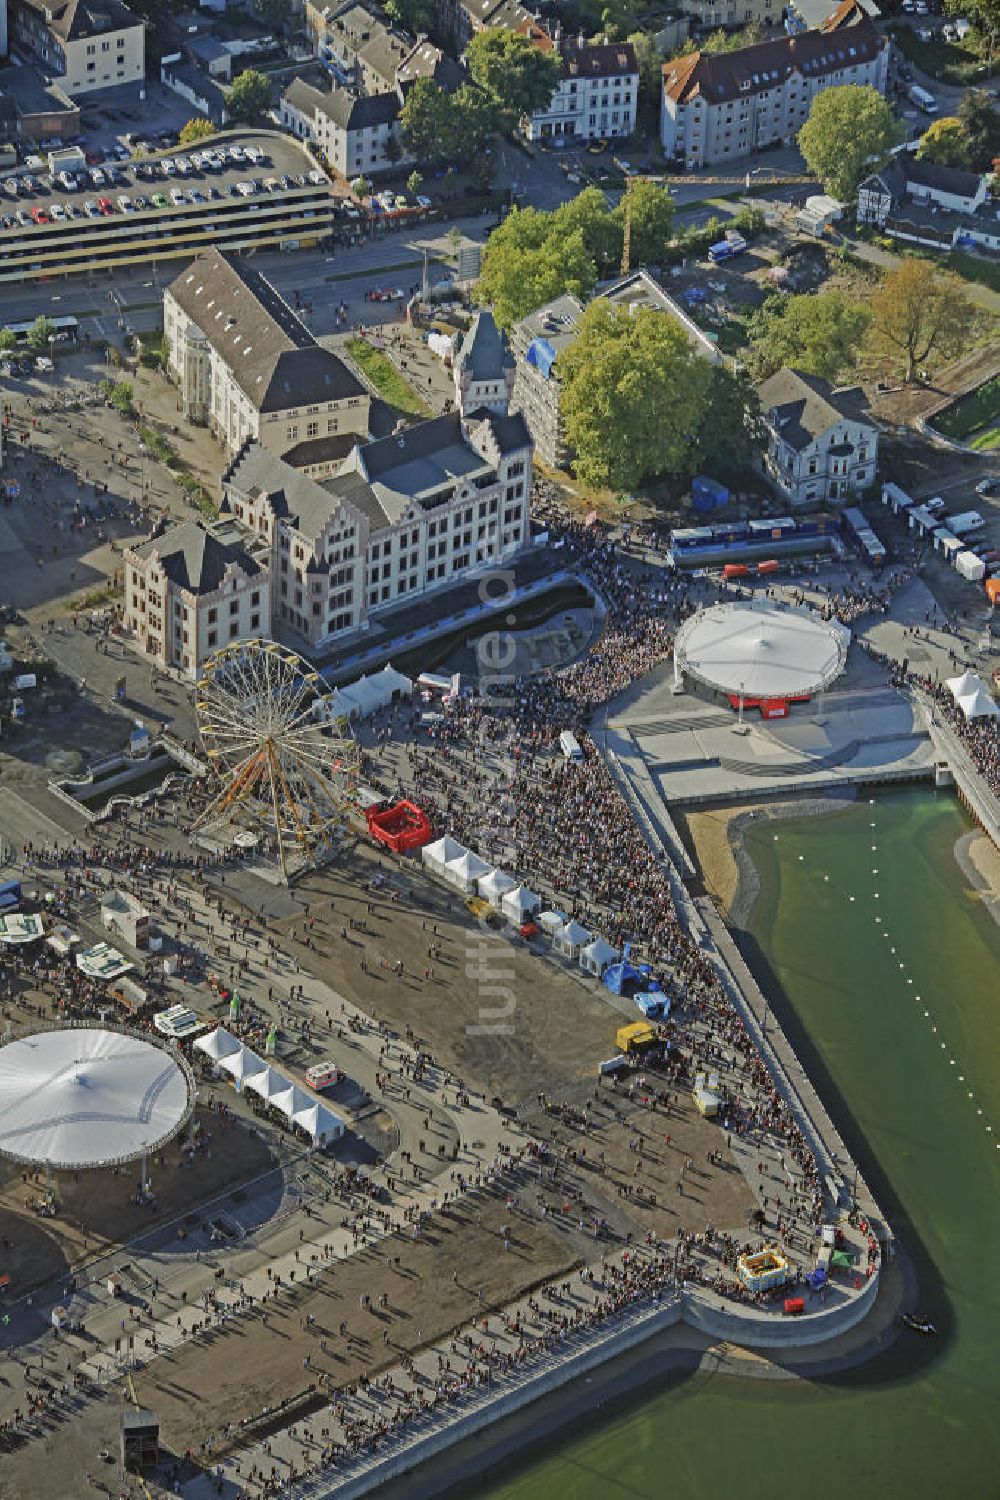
570	939
551	921
464	871
442	852
494	886
520	905
249	1071
596	956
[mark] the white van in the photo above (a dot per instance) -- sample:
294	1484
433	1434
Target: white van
570	746
323	1075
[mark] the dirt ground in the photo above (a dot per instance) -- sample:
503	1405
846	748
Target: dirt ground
706	834
95	1213
241	1371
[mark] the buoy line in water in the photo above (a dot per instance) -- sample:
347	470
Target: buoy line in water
917	999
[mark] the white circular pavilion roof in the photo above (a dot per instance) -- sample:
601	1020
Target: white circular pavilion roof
756	651
86	1097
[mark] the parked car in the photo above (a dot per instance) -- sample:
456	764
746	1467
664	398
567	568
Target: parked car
989	486
105	206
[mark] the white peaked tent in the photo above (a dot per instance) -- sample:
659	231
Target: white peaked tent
570	938
242	1065
962	687
268	1084
319	1123
291	1100
520	904
978	705
435	856
218	1044
597	955
551	921
494	886
464	871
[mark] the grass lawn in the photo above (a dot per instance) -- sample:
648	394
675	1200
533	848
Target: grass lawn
386	379
951	62
974	416
974	268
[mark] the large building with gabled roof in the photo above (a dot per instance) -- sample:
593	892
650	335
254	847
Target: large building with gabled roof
248	367
85	45
718	107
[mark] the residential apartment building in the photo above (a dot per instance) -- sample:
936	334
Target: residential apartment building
820	443
926	204
722	106
85	44
246	365
539	339
597	97
192	590
360	135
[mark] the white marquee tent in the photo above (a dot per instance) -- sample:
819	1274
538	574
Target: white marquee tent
551	921
570	938
218	1044
962	687
268	1084
242	1065
597	955
494	886
358	700
320	1123
520	904
435	856
464	871
978	705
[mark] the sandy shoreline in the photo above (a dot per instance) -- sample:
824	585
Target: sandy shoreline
979	860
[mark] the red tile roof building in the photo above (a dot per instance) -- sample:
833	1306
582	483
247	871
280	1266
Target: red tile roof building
718	107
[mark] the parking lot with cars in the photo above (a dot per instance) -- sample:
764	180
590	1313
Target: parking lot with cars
100	212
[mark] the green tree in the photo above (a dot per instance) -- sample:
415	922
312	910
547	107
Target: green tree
918	311
981	121
426	122
474	122
652	221
588	213
412	15
8	340
41	331
361	188
650	61
528	260
733	41
273	13
414	182
515	74
820	333
634	395
945	143
985	17
849	132
195	130
120	394
248	98
731	430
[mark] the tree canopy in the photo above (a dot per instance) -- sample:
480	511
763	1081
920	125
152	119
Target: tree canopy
440	127
980	120
849	133
8	340
634	394
523	254
731	430
945	143
195	130
918	311
41	331
820	333
412	15
513	73
985	17
248	97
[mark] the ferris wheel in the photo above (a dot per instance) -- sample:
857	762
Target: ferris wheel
287	764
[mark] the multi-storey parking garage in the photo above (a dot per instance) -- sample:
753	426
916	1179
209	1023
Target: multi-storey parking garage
239	190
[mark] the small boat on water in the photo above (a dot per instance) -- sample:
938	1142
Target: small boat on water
919	1325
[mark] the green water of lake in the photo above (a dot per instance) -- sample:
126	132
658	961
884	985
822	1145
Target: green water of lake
923	1419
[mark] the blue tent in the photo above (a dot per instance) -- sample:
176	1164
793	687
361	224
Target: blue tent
619	975
542	355
654	1005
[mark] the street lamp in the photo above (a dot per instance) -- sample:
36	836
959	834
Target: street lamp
52	367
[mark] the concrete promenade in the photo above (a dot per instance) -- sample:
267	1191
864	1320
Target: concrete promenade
978	799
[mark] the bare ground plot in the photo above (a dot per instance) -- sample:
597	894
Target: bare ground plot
493	1012
910	402
95	1214
233	1373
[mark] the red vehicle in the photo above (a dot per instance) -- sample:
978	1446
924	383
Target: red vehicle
105	206
39	215
528	930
